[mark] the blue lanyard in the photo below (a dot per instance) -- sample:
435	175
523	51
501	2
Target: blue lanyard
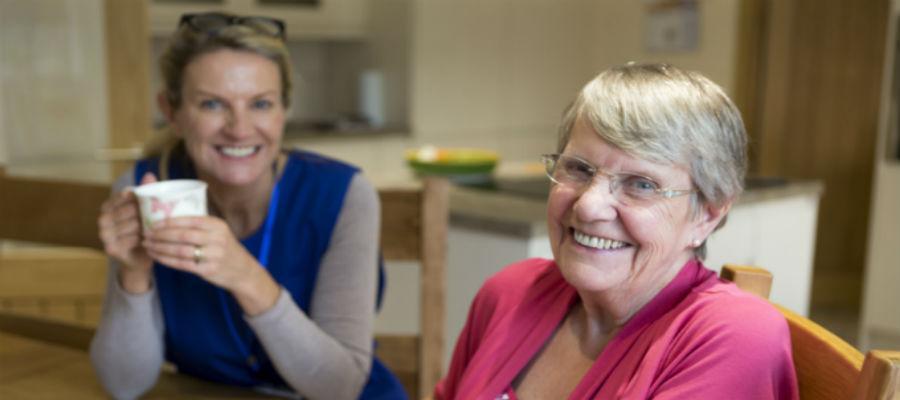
263	259
267	233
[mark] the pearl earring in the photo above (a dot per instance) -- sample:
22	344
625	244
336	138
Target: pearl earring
697	242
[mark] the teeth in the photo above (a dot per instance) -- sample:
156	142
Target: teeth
238	151
596	242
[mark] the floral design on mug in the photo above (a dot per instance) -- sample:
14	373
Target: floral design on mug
165	206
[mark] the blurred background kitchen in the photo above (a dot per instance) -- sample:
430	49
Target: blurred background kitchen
815	81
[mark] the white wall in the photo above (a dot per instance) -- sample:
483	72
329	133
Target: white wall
496	74
53	87
618	35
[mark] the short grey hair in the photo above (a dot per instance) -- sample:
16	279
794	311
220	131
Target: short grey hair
667	115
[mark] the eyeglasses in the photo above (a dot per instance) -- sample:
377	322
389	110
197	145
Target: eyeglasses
627	189
213	22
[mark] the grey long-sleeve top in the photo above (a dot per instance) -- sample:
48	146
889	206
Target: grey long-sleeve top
324	355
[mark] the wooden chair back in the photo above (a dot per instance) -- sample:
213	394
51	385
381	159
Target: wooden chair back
827	367
414	228
53	212
47	211
58	284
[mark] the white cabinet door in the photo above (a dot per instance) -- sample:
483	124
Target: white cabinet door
776	234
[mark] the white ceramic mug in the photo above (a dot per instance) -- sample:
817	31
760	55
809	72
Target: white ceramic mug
169	199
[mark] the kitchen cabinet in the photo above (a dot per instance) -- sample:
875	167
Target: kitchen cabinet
305	19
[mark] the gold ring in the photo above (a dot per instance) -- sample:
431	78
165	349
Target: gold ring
198	254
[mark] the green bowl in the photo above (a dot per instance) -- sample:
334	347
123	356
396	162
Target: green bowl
457	164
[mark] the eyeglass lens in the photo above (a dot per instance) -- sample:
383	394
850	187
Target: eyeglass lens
626	188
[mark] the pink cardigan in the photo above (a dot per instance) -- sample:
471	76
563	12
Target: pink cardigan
699	338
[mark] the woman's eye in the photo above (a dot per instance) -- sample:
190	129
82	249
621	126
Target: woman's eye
210	104
639	185
262	104
578	170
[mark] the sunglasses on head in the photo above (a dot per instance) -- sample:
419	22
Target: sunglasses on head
212	22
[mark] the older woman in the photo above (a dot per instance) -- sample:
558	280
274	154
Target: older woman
276	288
650	160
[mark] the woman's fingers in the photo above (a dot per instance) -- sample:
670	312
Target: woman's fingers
202	223
204	246
128	227
174	262
121	207
129	241
171	249
192	230
174	241
148	178
191	236
185	256
120	230
126	211
118	216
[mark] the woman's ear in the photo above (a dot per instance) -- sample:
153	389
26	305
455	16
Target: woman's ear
162	100
709	218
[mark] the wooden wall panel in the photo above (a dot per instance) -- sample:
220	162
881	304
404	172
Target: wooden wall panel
821	81
749	69
128	67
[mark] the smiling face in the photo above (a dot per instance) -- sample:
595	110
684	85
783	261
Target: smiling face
602	245
231	116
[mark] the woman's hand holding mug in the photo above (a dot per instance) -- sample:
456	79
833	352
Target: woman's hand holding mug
120	231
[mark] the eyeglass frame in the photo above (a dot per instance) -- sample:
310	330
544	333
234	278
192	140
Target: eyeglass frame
188	18
551	161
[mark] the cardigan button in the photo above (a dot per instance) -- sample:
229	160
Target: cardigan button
251	360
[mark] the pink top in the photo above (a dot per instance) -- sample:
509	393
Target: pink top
699	338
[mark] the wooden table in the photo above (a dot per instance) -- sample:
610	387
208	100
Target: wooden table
32	369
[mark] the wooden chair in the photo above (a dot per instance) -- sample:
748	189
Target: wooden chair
59	213
827	367
47	211
414	228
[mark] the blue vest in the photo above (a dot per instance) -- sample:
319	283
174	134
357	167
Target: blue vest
205	334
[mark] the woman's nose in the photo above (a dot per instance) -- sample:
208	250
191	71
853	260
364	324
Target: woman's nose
596	201
239	124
